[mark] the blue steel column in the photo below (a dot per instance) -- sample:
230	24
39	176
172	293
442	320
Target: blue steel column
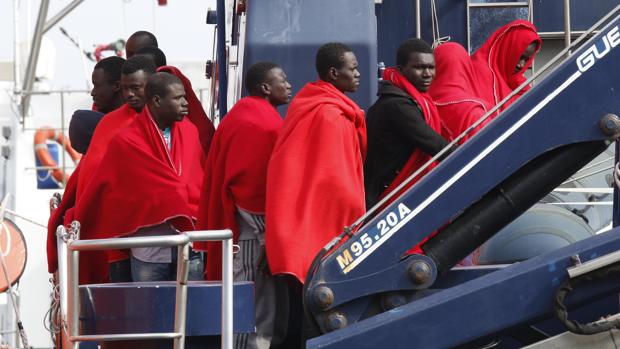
222	64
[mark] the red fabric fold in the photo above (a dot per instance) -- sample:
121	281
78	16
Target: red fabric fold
315	183
109	125
237	175
496	59
456	90
431	116
141	183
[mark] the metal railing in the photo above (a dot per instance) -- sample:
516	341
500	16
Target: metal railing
69	246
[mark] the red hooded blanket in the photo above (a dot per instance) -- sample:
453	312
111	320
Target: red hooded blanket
315	184
495	61
456	92
237	175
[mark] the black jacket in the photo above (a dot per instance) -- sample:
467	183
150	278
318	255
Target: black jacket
396	128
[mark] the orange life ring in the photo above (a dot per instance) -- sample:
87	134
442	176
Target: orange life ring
41	136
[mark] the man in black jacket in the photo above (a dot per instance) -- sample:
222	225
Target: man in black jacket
396	124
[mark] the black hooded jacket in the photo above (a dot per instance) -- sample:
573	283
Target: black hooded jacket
396	128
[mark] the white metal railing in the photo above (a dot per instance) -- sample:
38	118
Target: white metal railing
69	246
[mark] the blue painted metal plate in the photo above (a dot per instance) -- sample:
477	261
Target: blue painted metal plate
149	307
514	296
485	21
290	33
549	14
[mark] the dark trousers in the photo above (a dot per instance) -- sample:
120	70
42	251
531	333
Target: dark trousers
122	271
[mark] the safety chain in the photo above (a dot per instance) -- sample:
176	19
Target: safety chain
69	234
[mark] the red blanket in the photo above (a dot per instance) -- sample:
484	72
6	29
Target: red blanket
93	264
496	60
431	116
105	131
315	183
140	183
237	175
456	92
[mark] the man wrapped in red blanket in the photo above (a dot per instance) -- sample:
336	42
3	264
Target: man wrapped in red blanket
315	184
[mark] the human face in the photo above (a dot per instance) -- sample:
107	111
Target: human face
529	52
276	87
347	78
419	70
104	92
172	107
132	86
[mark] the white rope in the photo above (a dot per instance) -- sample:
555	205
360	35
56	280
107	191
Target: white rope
51	322
437	39
24	218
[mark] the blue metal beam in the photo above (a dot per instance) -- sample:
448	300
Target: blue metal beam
516	295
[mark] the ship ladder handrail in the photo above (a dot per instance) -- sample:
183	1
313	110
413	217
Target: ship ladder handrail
69	246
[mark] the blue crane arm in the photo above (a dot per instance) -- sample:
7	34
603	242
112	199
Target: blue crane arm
539	141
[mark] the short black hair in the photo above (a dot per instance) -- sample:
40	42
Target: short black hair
111	66
411	46
157	55
137	63
81	129
330	55
157	84
256	75
144	37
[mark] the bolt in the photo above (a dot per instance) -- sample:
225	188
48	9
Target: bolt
393	300
323	297
610	125
336	321
419	272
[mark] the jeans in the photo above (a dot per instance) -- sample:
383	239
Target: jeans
145	271
120	271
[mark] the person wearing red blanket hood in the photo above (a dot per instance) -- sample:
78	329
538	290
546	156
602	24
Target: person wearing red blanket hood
503	59
148	181
456	92
234	194
315	185
107	97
